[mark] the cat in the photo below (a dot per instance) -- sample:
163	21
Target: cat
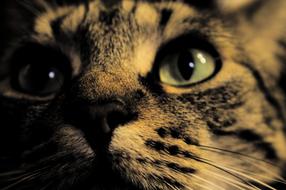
147	95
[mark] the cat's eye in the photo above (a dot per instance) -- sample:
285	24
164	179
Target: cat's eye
187	67
39	71
40	80
188	60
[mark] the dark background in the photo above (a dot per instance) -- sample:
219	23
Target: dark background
3	30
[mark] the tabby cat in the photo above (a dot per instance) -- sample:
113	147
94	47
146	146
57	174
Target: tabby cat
143	95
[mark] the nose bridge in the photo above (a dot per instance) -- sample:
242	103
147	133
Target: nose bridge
113	81
110	70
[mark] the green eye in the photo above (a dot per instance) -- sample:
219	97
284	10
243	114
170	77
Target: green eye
186	68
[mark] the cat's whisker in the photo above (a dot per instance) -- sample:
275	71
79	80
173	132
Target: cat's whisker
206	181
11	173
243	175
10	178
236	173
210	163
273	179
24	179
232	185
251	178
201	186
34	171
29	7
228	180
117	94
276	178
209	148
172	187
279	181
46	186
250	159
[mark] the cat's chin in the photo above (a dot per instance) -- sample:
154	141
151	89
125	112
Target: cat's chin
105	177
102	168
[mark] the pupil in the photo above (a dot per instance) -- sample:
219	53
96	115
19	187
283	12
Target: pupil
186	65
39	79
41	75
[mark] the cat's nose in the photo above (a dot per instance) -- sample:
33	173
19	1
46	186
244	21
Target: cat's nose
99	120
106	117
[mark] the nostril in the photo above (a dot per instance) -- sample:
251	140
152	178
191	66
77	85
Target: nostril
105	118
98	121
117	118
110	116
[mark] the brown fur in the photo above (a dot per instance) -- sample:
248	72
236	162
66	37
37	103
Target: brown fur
225	133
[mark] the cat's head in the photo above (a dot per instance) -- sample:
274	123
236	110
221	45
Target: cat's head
143	95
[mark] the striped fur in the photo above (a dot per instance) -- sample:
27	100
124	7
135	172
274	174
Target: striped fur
225	133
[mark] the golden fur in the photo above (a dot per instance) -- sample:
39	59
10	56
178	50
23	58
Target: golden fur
225	133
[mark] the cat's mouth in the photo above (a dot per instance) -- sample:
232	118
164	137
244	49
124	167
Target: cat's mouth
102	171
105	176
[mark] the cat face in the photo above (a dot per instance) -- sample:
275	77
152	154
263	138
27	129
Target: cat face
144	95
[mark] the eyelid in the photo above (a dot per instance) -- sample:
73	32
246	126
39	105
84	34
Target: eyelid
33	51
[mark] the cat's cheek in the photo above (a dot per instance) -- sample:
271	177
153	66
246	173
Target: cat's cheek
71	139
128	140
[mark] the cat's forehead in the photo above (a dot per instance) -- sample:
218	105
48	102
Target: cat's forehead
124	32
126	16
